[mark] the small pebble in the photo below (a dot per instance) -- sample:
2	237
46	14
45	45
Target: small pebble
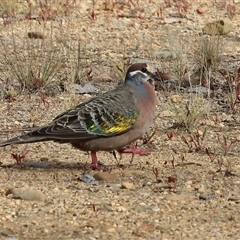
201	10
105	176
128	185
206	197
36	35
175	98
11	191
179	197
30	195
87	178
164	227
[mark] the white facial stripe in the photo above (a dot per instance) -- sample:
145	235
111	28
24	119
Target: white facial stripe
137	71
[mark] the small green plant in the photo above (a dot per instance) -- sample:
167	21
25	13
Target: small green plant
8	94
195	141
226	146
233	82
190	114
221	157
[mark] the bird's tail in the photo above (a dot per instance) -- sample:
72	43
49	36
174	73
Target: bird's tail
26	138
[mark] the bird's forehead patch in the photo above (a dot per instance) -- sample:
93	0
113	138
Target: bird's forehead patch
150	68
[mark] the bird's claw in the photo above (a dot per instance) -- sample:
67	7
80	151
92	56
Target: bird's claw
134	151
100	167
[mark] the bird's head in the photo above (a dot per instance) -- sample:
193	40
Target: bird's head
140	72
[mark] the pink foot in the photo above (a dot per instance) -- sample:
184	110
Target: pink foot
135	150
95	164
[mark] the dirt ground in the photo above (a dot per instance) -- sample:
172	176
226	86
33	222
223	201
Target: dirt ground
178	191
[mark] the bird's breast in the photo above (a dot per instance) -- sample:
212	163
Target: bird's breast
146	102
147	98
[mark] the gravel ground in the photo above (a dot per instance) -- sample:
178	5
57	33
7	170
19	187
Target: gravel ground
176	192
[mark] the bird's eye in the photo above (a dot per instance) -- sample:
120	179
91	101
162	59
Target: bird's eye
144	70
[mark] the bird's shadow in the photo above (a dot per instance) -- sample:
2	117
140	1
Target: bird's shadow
64	165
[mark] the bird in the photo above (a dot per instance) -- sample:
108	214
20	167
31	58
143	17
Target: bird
106	122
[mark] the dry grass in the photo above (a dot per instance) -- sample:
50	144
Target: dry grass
37	67
190	114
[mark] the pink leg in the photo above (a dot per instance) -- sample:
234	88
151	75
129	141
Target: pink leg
95	164
94	160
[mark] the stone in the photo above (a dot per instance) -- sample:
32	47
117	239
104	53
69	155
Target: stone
30	195
128	185
164	54
206	196
201	10
11	191
8	234
145	208
175	99
105	176
179	197
219	27
36	35
166	113
87	178
165	227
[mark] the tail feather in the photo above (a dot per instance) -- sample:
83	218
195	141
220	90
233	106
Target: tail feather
24	139
59	132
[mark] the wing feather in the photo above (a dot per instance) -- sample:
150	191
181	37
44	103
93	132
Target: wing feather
100	116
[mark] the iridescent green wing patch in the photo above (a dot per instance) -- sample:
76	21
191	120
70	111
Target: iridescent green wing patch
110	124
